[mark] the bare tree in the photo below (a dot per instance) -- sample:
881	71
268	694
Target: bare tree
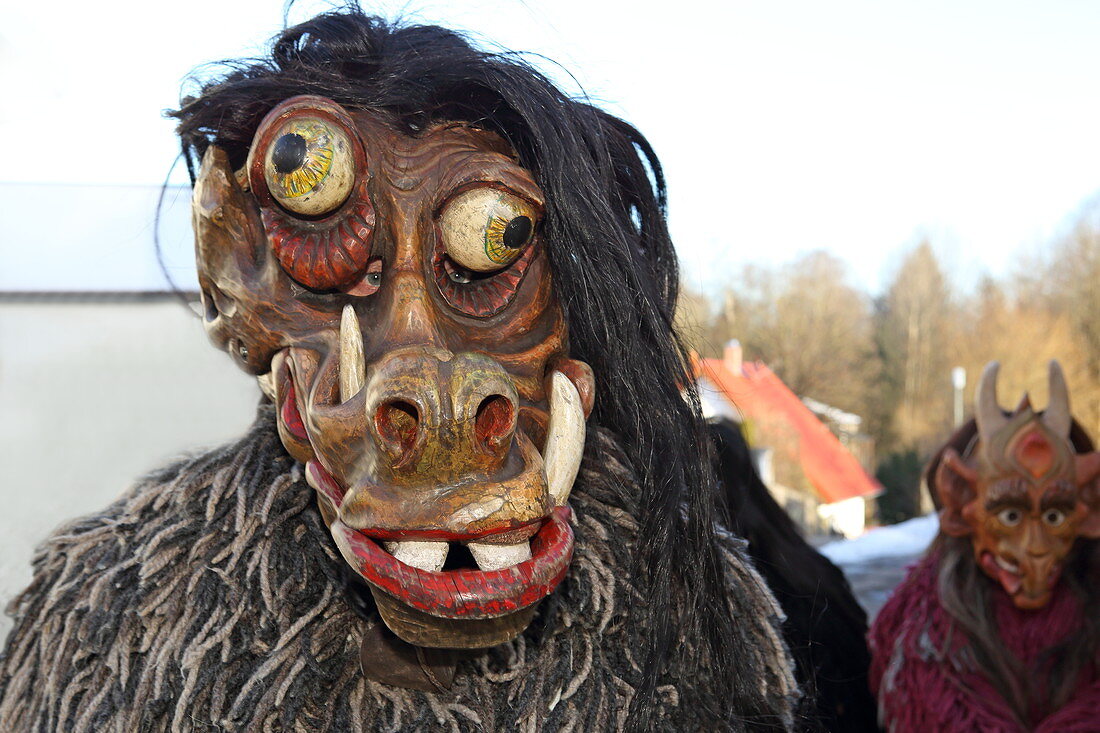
915	332
807	323
1070	285
1022	332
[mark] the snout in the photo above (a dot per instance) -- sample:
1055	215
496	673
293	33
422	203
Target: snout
437	416
447	461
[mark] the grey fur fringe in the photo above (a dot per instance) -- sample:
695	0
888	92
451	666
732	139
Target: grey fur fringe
210	598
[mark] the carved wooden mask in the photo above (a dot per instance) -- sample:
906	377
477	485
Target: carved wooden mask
393	295
1022	495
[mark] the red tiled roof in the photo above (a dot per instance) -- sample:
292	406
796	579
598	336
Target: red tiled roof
833	472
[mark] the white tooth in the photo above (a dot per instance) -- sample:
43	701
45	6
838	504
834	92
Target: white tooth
495	557
312	481
564	438
1010	567
423	555
353	372
267	384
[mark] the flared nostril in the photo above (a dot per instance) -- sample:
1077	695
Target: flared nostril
495	421
397	423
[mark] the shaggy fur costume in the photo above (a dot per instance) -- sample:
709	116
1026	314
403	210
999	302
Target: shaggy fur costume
211	597
926	679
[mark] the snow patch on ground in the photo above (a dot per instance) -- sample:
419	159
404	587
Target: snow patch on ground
907	538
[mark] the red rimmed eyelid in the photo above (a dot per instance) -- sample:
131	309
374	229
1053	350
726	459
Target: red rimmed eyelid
486	296
328	256
328	251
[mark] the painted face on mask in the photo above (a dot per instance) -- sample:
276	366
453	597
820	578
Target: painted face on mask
1021	494
390	289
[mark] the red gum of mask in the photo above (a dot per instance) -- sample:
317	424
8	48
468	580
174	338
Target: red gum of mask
292	419
473	594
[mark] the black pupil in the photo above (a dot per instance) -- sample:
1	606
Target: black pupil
517	232
289	153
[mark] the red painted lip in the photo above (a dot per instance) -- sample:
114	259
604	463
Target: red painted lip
466	594
1010	581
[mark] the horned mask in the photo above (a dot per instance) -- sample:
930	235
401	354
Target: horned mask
1021	492
390	289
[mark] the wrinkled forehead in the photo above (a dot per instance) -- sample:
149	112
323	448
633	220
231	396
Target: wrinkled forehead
398	151
398	145
443	155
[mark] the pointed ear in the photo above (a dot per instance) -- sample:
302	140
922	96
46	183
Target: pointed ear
1088	471
955	483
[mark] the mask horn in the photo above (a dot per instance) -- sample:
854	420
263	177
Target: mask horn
988	413
1057	416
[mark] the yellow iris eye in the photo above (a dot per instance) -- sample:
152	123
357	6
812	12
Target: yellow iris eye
309	166
485	229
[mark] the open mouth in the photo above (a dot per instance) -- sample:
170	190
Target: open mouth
1005	571
511	570
465	593
1011	576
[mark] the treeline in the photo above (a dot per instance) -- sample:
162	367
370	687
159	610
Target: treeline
890	358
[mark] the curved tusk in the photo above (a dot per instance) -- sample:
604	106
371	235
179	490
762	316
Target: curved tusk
1057	416
564	438
987	411
426	555
267	384
353	372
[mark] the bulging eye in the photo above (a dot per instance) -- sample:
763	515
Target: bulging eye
309	166
1054	517
1010	517
485	229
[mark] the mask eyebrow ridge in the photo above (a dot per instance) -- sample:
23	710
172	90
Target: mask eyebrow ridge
1059	496
1007	491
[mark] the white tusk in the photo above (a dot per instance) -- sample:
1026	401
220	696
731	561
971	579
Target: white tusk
312	481
425	555
353	372
267	384
322	494
495	557
564	438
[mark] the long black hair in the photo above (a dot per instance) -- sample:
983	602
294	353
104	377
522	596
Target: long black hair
615	273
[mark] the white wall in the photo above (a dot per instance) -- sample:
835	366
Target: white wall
846	516
92	395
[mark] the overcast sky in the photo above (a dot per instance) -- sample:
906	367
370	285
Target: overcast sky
856	127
